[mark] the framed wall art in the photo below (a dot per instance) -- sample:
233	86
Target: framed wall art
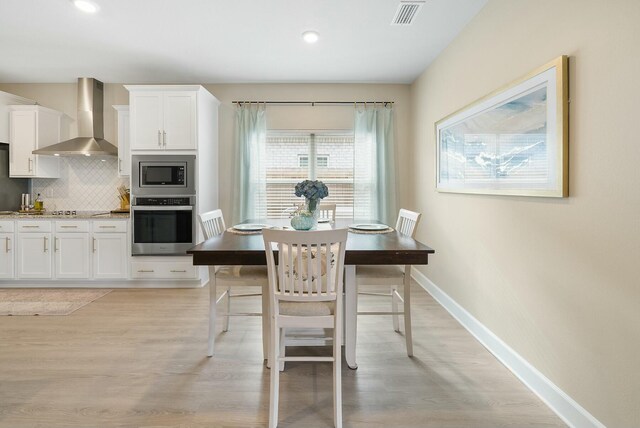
511	142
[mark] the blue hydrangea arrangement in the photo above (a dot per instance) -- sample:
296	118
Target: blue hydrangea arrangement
313	191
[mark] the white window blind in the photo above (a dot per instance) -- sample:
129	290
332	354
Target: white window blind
296	156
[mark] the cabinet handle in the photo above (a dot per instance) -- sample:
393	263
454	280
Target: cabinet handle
30	165
69	227
93	245
164	139
55	245
119	165
31	227
146	271
7	243
159	138
107	227
178	271
46	244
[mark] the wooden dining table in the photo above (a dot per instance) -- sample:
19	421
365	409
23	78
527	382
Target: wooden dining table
391	248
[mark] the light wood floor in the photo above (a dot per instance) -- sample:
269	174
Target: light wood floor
136	358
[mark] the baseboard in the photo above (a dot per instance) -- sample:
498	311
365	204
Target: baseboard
146	284
562	404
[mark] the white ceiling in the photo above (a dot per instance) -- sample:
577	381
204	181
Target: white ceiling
223	41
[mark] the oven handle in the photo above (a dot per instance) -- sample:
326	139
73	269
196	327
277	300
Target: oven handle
162	208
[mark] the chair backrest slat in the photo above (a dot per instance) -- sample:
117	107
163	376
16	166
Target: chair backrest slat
328	211
309	264
212	223
407	222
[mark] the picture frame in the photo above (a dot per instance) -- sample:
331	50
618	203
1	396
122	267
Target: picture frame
514	141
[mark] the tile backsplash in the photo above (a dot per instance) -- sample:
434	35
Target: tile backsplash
85	184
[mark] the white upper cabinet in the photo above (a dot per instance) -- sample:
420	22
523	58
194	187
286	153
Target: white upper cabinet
180	121
162	119
124	152
31	128
7	100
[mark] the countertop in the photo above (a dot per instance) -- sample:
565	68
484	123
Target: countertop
84	215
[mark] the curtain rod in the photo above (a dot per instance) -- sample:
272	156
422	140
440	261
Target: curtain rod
313	103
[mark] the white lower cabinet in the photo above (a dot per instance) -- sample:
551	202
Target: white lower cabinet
79	250
71	255
110	255
67	249
163	268
34	255
7	258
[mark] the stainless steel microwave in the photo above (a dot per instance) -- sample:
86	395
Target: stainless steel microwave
163	175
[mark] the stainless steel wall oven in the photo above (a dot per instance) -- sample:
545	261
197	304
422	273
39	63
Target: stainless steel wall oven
163	225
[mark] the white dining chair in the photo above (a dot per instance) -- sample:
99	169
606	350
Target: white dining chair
393	276
327	211
226	277
305	291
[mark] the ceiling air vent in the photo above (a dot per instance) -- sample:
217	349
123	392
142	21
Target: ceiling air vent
407	11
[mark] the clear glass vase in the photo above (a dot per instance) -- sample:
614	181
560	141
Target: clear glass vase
312	206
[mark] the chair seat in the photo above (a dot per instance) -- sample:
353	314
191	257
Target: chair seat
366	274
242	275
307	308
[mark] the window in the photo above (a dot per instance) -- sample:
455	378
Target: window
322	161
296	156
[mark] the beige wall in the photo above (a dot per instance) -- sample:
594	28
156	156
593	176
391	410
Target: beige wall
63	97
557	280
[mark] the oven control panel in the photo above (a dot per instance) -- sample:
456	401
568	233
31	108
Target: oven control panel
163	201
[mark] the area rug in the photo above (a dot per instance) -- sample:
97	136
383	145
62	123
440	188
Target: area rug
46	301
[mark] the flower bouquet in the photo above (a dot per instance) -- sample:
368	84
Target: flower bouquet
306	216
313	191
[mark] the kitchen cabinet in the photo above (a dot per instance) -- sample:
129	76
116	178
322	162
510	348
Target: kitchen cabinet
124	152
71	255
6	101
31	128
34	255
163	117
109	247
163	268
7	258
60	251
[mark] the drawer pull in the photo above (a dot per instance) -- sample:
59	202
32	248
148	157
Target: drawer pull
178	271
69	227
146	271
107	227
31	227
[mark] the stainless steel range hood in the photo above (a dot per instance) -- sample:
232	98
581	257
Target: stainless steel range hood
91	140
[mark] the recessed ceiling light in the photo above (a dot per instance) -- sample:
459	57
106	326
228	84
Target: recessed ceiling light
86	6
56	154
310	36
87	154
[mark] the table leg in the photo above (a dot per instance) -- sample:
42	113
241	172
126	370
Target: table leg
351	315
